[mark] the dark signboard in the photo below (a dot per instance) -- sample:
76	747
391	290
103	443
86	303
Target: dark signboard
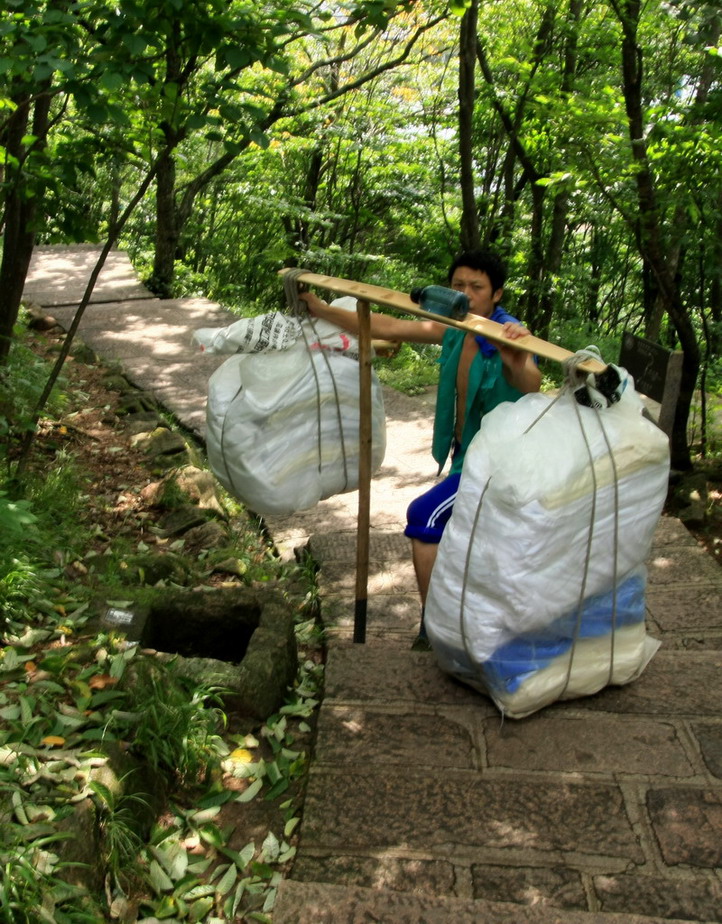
647	363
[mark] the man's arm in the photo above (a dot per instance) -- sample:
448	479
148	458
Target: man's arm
383	326
520	369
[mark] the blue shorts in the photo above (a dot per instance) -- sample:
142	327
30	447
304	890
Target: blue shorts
428	514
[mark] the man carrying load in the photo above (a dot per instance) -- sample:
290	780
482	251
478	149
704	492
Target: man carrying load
475	377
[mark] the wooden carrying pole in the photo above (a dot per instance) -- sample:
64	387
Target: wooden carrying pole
388	298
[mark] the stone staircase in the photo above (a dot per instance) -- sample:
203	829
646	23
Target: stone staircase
423	805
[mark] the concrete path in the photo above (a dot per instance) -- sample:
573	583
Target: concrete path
421	804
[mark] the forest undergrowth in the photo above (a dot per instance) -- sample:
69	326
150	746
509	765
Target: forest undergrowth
212	842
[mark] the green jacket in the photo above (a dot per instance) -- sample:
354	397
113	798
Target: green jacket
487	388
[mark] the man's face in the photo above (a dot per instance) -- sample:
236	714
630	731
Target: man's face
476	285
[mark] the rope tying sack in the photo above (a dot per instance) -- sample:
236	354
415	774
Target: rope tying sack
280	436
596	391
542	497
583	387
292	288
299	309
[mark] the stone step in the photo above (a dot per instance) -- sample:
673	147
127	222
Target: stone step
321	903
676	683
612	801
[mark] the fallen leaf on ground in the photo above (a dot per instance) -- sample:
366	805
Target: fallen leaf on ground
101	681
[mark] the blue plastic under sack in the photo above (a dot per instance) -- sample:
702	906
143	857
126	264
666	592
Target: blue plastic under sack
515	662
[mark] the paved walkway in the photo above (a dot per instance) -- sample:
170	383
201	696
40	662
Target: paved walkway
421	804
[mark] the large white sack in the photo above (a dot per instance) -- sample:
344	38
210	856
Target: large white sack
537	527
282	426
603	641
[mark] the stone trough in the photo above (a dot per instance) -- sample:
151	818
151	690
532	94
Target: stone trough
238	639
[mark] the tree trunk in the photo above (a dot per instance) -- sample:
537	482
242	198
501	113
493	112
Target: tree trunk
715	290
595	277
535	265
553	263
20	210
469	231
650	236
166	227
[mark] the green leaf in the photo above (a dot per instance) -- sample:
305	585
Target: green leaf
279	65
111	80
159	880
270	847
262	870
260	138
102	791
211	834
173	857
251	792
275	791
200	909
26	710
273	773
288	854
206	814
199	891
227	881
196	120
290	826
270	900
237	897
135	44
241	858
217	799
235	56
166	908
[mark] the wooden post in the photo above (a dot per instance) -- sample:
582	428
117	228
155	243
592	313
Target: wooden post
364	472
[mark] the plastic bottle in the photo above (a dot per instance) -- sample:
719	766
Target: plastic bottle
443	301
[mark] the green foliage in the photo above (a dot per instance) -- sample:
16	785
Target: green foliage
174	726
17	576
15	517
118	815
22	380
576	336
69	698
18	587
31	887
412	370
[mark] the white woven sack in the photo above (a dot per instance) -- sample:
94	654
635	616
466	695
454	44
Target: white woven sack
551	529
273	332
283	426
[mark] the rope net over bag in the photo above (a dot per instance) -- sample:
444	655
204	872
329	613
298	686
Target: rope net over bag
538	591
282	418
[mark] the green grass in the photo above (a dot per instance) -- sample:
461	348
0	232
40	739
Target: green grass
412	370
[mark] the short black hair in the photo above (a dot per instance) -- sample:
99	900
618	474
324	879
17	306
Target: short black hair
486	261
